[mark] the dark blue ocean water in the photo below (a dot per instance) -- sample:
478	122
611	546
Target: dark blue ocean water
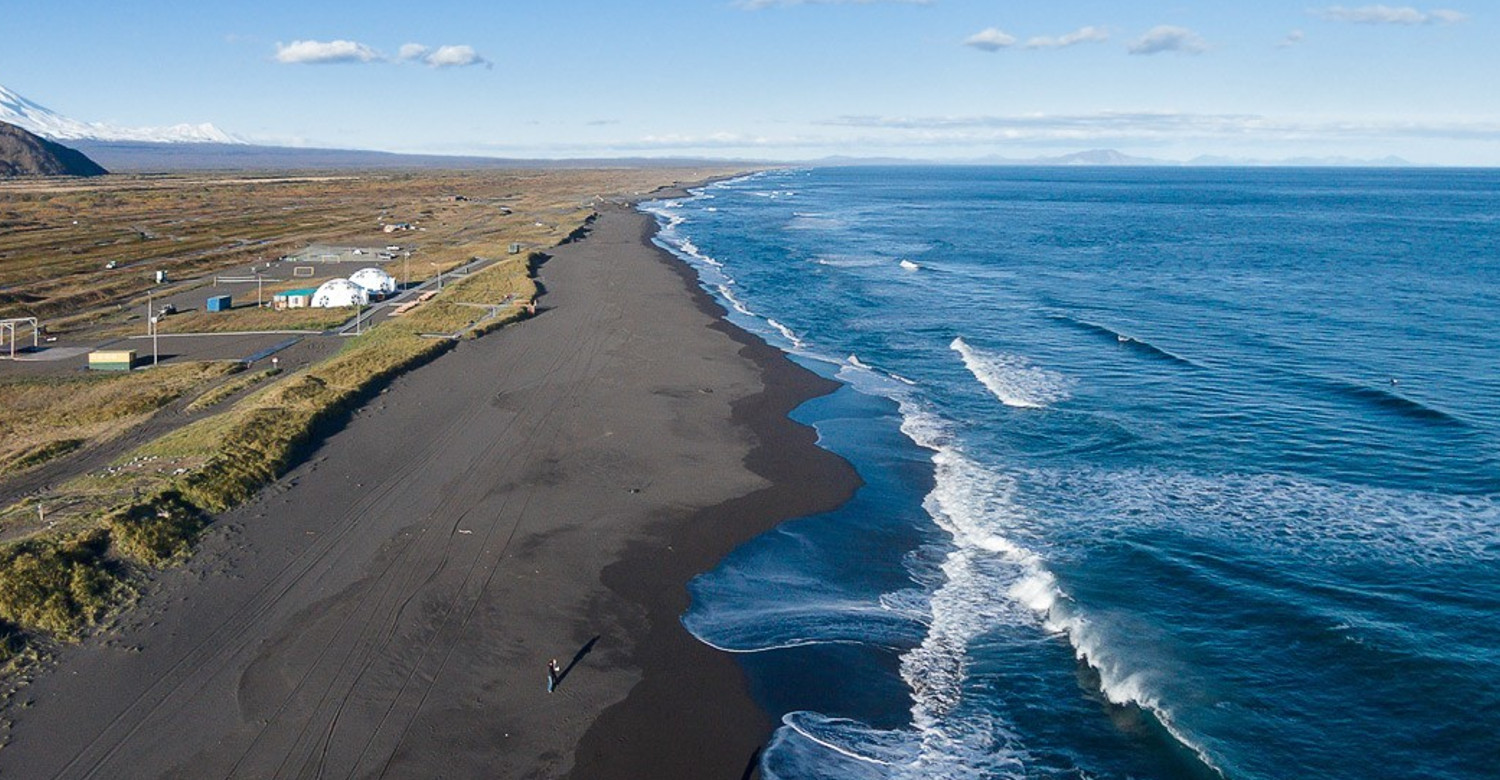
1170	473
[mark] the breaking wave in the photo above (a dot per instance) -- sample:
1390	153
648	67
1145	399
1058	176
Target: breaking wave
1012	378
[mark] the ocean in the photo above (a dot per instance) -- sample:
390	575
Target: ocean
1168	472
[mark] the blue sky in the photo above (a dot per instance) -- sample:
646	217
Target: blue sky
784	79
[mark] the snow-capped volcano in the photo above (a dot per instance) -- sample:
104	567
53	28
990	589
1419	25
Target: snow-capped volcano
41	120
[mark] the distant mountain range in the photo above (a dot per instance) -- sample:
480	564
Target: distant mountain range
26	154
123	157
30	115
205	147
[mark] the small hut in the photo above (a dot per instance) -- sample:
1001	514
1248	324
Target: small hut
300	298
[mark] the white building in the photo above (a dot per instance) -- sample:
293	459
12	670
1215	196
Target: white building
376	281
336	293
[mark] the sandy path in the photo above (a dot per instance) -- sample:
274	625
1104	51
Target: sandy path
389	607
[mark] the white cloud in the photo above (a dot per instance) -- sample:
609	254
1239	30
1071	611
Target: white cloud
1384	14
1170	134
1292	39
1448	16
992	39
719	140
757	5
1168	38
1089	34
321	52
454	57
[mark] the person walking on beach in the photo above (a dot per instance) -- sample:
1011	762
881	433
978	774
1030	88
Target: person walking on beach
554	674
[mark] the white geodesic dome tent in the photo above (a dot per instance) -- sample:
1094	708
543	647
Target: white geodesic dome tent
376	280
335	293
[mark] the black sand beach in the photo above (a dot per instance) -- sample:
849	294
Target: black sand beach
389	607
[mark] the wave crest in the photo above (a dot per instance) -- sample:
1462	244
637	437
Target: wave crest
1012	378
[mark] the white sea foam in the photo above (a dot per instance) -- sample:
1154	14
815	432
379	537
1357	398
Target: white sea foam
687	247
712	273
991	580
910	266
871	380
1012	378
849	261
786	333
987	579
735	303
857	750
1322	523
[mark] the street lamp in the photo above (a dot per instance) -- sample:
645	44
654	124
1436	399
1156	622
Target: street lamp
407	265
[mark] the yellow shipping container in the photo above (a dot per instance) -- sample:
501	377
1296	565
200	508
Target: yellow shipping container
112	359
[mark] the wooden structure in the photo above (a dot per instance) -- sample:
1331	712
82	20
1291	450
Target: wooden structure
8	333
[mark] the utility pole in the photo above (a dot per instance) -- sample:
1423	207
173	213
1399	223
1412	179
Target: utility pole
407	265
151	327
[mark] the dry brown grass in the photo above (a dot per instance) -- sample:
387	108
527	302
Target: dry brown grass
244	318
55	239
76	410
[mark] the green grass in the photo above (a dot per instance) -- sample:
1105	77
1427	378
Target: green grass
59	586
158	532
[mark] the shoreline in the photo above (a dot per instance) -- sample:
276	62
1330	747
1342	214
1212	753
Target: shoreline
704	689
388	606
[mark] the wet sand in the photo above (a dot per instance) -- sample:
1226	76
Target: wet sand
389	607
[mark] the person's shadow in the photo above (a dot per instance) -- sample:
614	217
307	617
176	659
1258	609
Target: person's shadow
578	656
753	764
